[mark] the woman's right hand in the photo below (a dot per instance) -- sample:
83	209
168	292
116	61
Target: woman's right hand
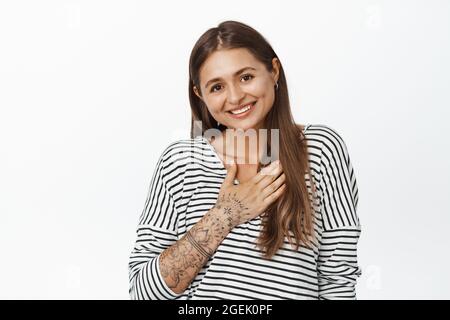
245	201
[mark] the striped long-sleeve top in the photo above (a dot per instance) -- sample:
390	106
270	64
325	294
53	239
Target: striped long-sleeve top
186	184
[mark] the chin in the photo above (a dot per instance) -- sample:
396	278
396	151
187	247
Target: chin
243	126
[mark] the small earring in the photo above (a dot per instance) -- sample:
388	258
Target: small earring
276	86
218	124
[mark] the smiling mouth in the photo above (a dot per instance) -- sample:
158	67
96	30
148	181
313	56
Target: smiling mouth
243	110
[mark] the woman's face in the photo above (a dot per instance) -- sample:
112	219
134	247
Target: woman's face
225	86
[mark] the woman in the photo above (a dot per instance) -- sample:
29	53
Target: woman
212	229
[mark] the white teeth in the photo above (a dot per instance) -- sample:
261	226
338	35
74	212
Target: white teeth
241	110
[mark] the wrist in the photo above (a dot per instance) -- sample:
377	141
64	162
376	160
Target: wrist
225	218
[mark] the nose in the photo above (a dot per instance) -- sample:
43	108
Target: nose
235	94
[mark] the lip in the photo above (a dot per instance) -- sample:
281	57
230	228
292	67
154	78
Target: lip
242	105
244	114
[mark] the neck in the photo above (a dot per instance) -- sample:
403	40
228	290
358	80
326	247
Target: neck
242	148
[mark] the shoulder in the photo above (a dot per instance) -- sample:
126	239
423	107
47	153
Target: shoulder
323	132
180	150
328	139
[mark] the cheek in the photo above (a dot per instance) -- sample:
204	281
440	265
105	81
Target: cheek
261	89
258	88
267	98
214	104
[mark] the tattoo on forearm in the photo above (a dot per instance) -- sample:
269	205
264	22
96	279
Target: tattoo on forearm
197	245
180	263
176	262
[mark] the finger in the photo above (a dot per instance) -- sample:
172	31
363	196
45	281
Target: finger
270	177
274	196
271	188
231	173
264	171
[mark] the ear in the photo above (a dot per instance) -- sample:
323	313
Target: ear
275	69
197	93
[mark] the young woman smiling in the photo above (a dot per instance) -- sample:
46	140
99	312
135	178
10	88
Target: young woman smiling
214	230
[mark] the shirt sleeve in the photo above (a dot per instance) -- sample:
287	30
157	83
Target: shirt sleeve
337	265
156	231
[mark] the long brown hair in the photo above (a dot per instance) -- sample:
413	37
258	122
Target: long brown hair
292	214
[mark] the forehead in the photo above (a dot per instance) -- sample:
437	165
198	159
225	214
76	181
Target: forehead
224	63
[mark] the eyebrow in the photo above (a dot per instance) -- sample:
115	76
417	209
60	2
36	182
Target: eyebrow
235	74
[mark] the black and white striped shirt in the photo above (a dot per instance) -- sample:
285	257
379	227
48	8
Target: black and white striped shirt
186	184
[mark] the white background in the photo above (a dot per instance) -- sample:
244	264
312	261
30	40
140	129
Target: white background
91	92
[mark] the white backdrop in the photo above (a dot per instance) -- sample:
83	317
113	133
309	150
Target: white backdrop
91	92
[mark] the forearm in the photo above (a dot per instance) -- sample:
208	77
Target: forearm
181	262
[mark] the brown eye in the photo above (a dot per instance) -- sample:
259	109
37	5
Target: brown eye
247	75
212	88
